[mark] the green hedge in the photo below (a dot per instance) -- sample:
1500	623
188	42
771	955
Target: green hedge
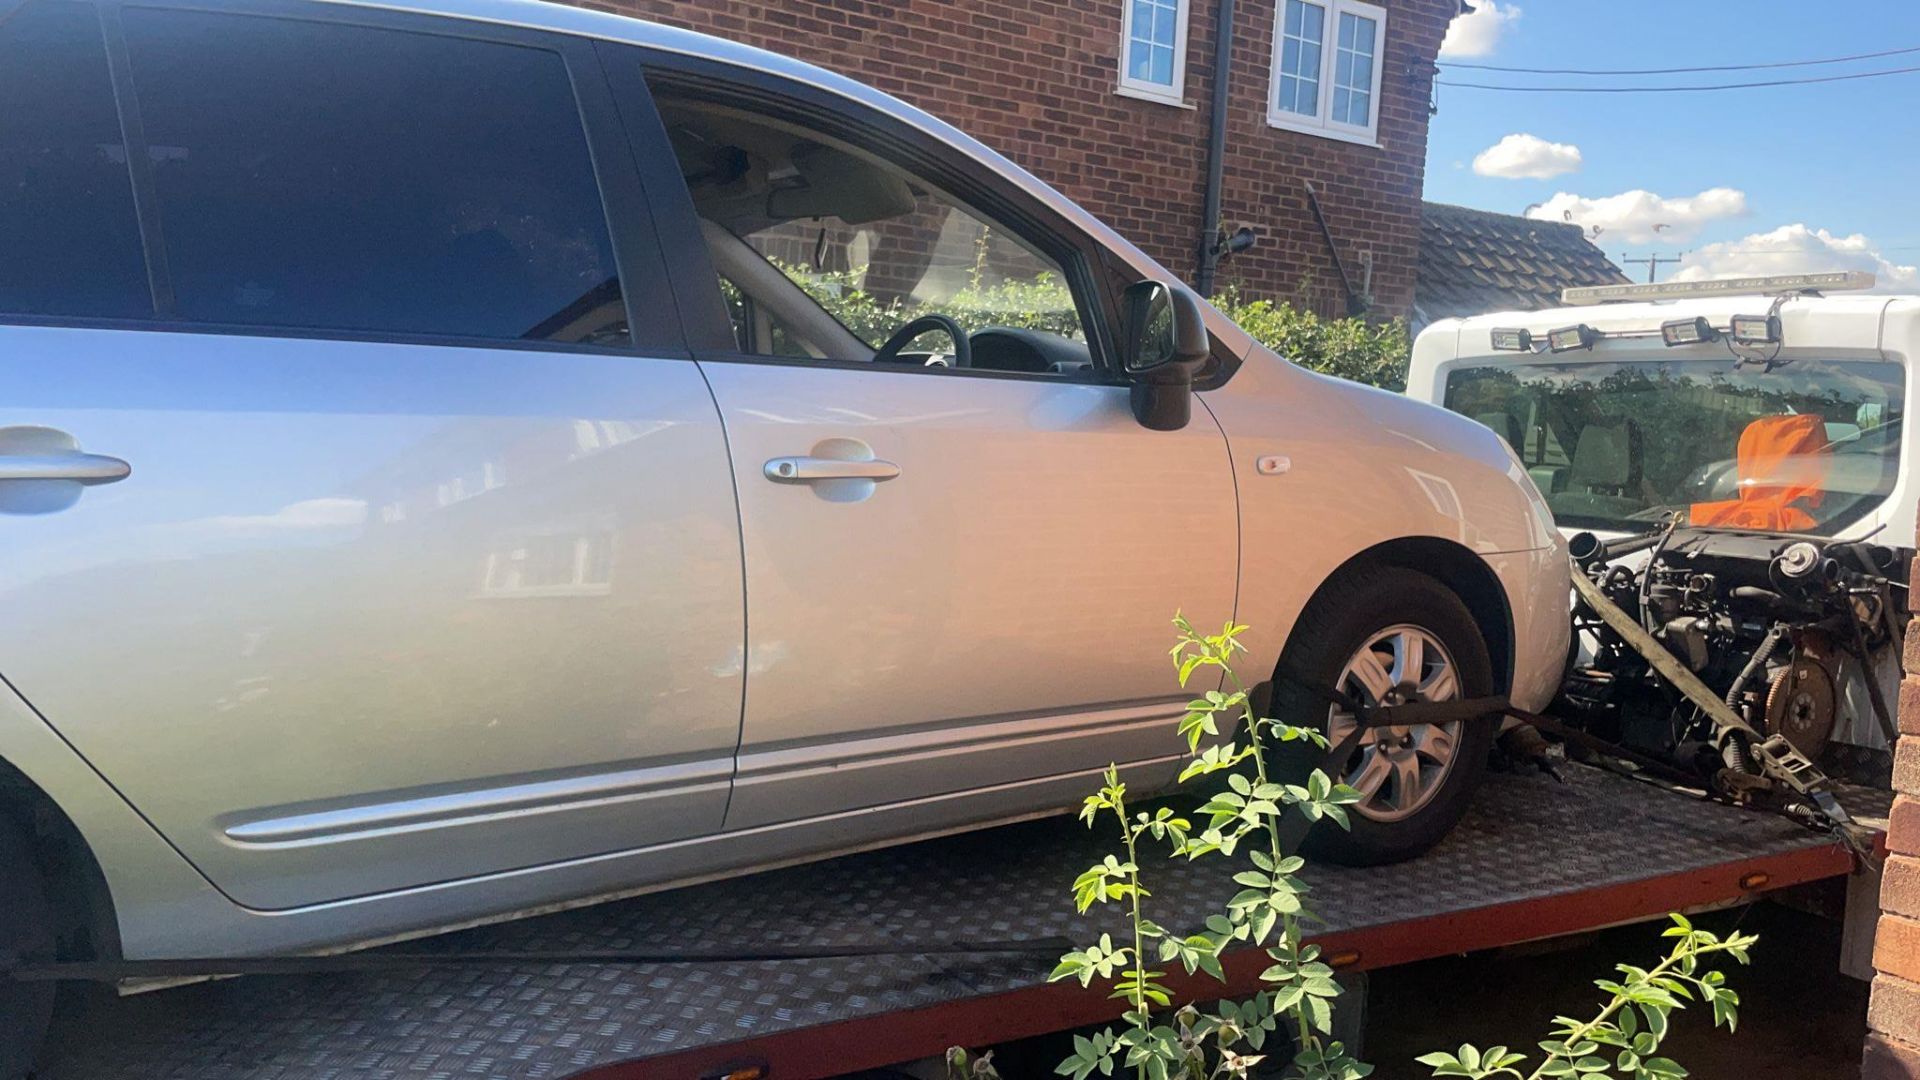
1374	353
1043	303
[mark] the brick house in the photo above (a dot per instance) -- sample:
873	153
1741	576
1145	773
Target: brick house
1112	101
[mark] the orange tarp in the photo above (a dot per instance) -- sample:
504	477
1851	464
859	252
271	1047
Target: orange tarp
1782	472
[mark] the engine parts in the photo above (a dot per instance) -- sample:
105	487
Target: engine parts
1738	656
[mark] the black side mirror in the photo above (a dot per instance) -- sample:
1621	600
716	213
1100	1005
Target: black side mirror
1165	346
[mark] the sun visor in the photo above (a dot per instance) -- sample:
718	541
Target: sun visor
840	185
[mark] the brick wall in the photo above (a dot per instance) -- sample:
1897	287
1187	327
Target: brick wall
1893	1016
1034	79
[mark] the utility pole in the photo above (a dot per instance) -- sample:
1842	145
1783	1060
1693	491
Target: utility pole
1653	263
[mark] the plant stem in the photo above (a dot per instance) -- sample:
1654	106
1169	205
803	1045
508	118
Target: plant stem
1259	755
1682	951
1138	997
1580	1032
1289	926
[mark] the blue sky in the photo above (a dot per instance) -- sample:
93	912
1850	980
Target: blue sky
1730	173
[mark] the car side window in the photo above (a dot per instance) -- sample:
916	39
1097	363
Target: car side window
759	331
327	176
69	241
826	250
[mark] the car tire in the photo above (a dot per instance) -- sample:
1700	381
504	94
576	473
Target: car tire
1412	798
26	934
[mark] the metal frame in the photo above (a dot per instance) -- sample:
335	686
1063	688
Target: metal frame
1534	859
893	1038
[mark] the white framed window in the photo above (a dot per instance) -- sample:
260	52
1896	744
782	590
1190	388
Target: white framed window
1153	50
1326	68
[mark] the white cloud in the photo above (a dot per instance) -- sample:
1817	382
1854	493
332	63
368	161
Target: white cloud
1641	217
1527	157
307	514
318	519
1478	32
1795	249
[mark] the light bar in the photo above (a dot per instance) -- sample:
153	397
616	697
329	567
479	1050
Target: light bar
1766	285
1755	329
1692	331
1511	340
1569	338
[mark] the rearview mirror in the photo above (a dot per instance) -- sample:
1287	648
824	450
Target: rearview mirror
1165	346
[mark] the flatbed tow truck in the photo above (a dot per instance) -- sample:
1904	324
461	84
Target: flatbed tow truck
1536	858
893	955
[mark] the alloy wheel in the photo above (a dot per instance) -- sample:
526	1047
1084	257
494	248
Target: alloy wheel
1397	770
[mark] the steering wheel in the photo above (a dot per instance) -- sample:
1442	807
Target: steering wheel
933	320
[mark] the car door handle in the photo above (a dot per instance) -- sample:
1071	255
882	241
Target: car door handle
64	465
807	470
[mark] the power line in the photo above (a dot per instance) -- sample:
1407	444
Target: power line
1680	70
1808	251
1652	263
1877	249
1671	89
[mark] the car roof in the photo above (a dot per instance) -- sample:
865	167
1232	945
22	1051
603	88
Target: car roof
1845	321
1626	315
605	26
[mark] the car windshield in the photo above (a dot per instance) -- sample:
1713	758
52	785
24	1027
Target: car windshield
1807	447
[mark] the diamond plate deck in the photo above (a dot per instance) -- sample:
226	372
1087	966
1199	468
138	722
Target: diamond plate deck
1527	839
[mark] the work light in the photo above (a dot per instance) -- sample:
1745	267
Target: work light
1687	331
1569	338
1512	340
1756	329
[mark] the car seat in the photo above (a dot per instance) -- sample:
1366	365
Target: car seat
1505	425
1782	464
1604	470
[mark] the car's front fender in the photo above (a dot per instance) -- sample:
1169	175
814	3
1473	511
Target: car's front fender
1328	469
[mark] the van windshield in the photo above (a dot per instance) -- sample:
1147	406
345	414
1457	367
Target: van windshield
1807	447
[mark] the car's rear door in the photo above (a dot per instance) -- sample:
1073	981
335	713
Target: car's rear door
983	606
426	563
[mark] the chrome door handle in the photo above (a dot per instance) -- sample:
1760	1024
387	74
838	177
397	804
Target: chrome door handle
64	465
807	470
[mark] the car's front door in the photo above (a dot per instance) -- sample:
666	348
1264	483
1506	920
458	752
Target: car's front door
958	577
426	566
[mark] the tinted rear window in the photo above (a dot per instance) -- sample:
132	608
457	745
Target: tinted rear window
327	176
69	243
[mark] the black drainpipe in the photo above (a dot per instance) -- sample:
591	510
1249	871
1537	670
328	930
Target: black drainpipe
1216	148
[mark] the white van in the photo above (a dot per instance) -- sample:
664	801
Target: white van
1763	417
1623	407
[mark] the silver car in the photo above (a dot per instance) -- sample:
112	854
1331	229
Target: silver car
462	459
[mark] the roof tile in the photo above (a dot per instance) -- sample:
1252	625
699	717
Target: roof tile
1476	261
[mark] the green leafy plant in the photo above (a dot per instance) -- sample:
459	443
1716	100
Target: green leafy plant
1043	303
1158	1040
1040	302
1375	353
1243	817
1623	1039
962	1064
